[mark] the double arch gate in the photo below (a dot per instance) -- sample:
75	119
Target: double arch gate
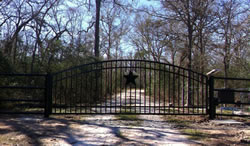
127	87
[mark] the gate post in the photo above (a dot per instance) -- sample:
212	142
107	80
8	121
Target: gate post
212	104
48	95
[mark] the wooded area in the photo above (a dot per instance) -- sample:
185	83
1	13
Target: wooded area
39	36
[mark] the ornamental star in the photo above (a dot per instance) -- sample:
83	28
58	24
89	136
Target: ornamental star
130	78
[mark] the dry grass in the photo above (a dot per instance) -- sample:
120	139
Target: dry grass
199	128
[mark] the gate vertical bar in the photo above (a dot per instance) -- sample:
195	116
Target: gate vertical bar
212	106
198	93
155	80
150	75
178	90
193	93
135	65
101	90
111	80
174	96
140	84
164	88
81	92
96	86
202	93
86	101
116	86
145	88
169	90
60	90
48	95
159	90
91	90
183	91
130	92
70	92
121	86
76	93
55	95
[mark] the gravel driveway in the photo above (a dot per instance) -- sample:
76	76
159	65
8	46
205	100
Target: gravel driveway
88	130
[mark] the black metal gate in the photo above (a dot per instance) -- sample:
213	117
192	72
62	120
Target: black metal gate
231	101
131	87
23	93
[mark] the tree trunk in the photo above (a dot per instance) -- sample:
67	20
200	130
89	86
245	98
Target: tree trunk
97	27
33	59
190	45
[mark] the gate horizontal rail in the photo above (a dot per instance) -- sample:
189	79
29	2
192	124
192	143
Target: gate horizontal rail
126	60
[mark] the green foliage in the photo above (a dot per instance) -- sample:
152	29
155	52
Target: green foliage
5	66
6	106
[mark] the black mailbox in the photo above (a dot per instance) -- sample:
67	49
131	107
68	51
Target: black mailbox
226	95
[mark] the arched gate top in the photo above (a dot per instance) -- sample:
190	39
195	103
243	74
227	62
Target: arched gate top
128	60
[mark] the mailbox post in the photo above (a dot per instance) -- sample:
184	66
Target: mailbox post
212	104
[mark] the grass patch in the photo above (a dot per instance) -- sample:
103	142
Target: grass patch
127	115
70	117
131	118
224	112
186	126
180	121
195	134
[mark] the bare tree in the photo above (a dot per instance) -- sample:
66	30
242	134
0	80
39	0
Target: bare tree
229	11
187	12
21	14
148	38
113	27
97	20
